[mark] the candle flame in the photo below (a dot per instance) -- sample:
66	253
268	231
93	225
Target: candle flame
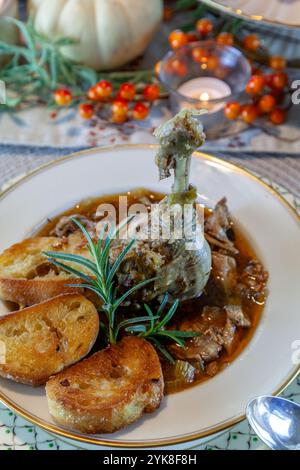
204	96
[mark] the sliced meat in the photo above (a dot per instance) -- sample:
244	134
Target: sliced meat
217	328
199	348
236	315
227	247
224	273
208	345
253	281
223	334
212	368
66	226
218	227
229	338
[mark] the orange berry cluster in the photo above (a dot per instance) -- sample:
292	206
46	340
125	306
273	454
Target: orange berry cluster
103	93
266	91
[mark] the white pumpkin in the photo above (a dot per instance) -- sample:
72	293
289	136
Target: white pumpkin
110	32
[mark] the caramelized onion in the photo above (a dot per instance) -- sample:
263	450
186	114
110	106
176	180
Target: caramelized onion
179	375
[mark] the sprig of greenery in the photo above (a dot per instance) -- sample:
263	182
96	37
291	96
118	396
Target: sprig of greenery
102	281
38	67
156	331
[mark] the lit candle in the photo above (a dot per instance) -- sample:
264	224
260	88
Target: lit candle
205	89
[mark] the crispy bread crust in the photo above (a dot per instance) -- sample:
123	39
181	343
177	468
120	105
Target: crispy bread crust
26	277
109	390
33	291
44	339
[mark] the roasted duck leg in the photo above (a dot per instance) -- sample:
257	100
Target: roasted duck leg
180	262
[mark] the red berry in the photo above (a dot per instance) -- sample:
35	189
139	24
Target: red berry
104	89
127	91
255	84
140	111
204	26
199	54
279	80
151	92
277	63
86	110
277	116
92	94
119	118
62	97
232	110
225	39
120	105
266	103
192	36
212	62
177	39
249	113
119	110
178	67
251	42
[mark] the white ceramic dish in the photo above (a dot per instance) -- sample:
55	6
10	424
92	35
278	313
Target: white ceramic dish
284	13
264	367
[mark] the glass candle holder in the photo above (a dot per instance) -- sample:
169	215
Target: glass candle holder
205	75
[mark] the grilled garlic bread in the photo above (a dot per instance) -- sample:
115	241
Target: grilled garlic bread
27	278
109	390
42	340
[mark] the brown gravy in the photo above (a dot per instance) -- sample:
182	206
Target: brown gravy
246	253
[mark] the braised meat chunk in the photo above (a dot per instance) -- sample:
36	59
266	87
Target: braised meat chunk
218	229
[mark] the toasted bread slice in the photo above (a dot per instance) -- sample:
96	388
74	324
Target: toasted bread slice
42	340
27	278
109	390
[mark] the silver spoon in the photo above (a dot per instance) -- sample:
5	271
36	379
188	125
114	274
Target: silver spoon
276	421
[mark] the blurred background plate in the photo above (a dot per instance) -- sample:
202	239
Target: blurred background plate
284	13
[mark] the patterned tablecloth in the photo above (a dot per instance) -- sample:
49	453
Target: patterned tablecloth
34	137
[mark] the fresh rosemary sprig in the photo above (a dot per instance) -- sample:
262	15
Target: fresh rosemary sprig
156	331
102	282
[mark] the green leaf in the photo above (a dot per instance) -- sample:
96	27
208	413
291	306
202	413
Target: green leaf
73	259
89	287
25	33
163	350
53	69
119	261
183	334
169	315
71	270
63	41
136	329
185	4
163	304
131	291
87	236
168	335
151	315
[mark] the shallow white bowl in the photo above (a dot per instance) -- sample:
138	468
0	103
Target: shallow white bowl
274	12
264	367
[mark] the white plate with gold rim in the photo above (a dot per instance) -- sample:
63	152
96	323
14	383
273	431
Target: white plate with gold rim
284	13
264	367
